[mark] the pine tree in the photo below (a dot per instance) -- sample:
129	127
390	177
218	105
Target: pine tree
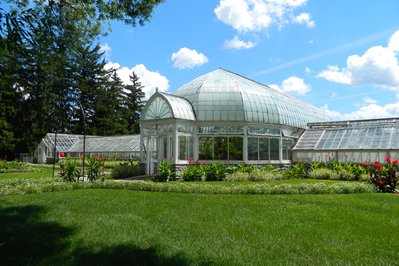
134	97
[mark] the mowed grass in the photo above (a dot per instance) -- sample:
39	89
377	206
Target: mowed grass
34	172
117	227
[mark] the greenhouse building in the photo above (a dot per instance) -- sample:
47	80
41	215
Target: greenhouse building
222	116
349	141
115	147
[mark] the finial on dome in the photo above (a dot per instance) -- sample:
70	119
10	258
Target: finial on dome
156	89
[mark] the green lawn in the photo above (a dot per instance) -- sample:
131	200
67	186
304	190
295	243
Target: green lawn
32	171
116	227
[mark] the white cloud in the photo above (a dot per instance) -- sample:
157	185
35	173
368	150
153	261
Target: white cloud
187	58
293	86
149	79
393	43
333	73
368	111
258	15
332	115
378	66
304	19
106	49
369	100
308	70
237	43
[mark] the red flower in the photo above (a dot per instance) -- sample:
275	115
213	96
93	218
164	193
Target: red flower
376	164
388	159
81	156
190	160
199	162
395	162
62	154
364	164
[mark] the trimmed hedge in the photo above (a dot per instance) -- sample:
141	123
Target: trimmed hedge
47	185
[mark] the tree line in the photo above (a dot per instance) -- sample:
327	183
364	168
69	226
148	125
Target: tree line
51	64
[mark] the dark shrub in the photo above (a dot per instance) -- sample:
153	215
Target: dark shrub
126	170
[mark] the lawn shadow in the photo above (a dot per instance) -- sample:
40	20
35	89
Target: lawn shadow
128	255
26	239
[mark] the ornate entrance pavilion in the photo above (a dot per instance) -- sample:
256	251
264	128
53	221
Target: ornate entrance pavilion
222	116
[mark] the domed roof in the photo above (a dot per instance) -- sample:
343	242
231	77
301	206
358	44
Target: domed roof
222	95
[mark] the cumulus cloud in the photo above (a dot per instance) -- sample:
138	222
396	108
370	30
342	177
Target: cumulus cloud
237	43
369	100
106	49
149	79
378	66
304	19
187	58
368	110
293	86
258	15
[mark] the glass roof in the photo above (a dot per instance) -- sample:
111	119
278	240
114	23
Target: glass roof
222	95
64	141
163	105
74	143
128	143
349	135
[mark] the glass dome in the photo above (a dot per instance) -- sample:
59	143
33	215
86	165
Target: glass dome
222	95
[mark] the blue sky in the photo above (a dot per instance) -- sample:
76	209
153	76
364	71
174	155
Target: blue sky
340	56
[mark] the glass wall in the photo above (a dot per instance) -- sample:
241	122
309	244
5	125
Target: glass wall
220	148
263	149
186	144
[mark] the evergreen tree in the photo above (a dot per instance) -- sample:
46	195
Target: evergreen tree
48	63
134	104
108	118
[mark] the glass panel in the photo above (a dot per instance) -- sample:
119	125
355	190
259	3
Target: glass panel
206	148
164	147
264	131
274	149
252	149
287	147
183	155
158	109
190	147
171	148
235	148
221	148
263	149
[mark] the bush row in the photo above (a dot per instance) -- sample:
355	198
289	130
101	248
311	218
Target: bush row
12	187
240	172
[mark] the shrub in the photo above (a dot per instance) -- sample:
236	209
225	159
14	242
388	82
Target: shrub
345	174
323	173
215	172
193	173
237	177
69	169
126	170
164	171
384	177
297	170
95	168
13	166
